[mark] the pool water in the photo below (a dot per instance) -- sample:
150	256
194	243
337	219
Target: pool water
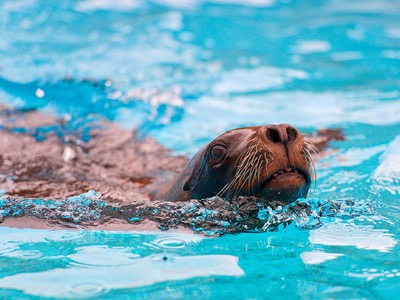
184	72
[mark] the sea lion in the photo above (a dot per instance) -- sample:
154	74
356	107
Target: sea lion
272	162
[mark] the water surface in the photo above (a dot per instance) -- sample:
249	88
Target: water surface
184	72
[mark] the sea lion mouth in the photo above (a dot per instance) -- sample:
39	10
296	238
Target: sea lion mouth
285	185
287	173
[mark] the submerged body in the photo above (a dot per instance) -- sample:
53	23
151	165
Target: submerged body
272	162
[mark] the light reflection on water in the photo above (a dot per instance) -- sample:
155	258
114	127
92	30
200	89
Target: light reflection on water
361	237
93	269
205	67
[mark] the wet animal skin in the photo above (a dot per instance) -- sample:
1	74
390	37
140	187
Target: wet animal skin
271	162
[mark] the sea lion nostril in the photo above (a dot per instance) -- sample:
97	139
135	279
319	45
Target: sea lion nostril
273	135
291	134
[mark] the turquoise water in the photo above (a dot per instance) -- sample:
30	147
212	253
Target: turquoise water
183	72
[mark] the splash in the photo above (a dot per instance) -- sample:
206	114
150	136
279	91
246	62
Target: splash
213	216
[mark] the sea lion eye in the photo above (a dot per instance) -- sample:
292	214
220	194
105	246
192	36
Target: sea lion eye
217	152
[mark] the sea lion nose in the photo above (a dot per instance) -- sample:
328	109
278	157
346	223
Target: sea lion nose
282	133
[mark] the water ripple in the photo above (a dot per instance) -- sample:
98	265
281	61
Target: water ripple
72	282
175	241
88	289
170	243
64	236
101	256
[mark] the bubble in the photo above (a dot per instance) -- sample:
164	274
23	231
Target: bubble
39	93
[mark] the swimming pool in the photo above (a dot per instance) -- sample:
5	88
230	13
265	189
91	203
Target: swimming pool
208	66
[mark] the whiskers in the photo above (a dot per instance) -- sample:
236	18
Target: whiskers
308	152
252	167
249	168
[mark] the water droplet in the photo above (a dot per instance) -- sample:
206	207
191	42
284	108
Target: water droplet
164	257
39	93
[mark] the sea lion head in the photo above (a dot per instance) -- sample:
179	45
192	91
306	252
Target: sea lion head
272	162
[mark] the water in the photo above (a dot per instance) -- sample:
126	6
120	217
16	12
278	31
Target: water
205	67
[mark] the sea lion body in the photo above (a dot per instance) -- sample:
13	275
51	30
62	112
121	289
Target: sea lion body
272	162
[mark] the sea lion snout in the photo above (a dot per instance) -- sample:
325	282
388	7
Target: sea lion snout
282	133
285	143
